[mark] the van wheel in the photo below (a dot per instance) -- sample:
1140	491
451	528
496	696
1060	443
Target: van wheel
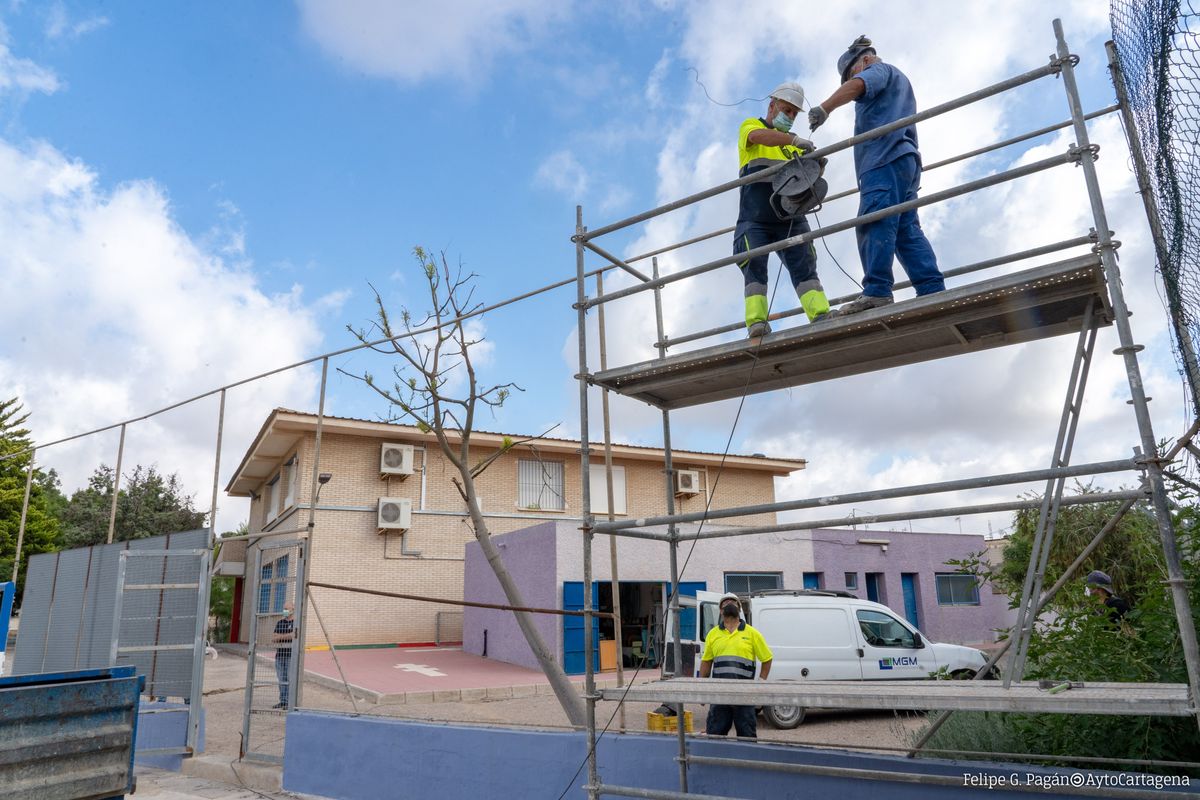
784	717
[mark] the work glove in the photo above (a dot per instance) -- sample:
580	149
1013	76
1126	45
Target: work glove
804	144
816	117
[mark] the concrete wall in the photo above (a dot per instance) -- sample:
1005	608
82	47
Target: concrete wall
157	729
643	560
353	758
530	557
836	552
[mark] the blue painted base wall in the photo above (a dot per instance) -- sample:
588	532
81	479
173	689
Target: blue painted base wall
356	758
163	730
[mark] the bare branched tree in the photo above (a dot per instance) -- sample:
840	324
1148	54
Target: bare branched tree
420	391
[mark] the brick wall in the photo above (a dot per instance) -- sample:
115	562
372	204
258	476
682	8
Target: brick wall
349	549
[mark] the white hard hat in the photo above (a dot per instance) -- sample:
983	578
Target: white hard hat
730	595
790	93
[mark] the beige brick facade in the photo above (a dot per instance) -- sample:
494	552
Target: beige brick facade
349	550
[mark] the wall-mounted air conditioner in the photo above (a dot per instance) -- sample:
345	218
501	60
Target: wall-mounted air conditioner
396	459
687	481
395	513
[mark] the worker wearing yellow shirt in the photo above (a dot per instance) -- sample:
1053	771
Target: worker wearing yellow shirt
730	650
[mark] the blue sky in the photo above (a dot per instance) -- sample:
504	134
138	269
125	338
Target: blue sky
199	192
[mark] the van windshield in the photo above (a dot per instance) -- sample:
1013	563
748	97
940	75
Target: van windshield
884	630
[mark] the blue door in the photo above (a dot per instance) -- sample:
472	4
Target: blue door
573	652
873	587
687	616
908	582
812	580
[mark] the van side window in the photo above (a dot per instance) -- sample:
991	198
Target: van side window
883	630
710	617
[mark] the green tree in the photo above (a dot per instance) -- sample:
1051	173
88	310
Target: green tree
220	595
1077	641
148	504
45	499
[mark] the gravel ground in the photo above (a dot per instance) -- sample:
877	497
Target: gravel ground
225	681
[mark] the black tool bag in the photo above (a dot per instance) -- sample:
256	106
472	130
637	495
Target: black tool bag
798	188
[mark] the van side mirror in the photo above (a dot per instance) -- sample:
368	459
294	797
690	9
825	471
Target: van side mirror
918	642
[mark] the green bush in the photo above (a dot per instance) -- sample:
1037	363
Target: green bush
1083	644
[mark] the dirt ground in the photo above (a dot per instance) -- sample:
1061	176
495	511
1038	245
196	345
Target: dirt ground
224	697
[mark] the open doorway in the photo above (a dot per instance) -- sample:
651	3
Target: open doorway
641	625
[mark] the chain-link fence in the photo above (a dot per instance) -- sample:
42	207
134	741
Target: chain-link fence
1159	57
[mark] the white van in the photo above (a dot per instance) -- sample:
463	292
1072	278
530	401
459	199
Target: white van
835	636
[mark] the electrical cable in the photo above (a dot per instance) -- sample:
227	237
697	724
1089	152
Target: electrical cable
718	102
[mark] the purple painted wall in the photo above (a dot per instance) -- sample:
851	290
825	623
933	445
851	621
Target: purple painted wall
836	552
530	556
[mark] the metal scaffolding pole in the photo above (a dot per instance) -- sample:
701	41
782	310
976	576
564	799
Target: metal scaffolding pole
1128	350
1039	554
949	273
673	543
985	482
24	515
112	512
997	88
589	676
304	568
615	581
1187	348
1070	157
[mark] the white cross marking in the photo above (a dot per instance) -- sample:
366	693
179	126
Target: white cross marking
429	672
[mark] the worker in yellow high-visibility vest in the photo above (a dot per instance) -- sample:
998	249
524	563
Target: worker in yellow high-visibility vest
764	142
730	650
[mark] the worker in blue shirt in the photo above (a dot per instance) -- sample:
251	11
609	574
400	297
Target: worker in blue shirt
762	143
889	172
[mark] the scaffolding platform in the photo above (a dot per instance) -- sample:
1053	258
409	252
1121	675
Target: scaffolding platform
1128	699
1037	303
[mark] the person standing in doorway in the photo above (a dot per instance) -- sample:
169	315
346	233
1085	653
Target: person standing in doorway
284	639
730	650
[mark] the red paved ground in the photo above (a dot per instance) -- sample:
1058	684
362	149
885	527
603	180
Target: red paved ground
381	669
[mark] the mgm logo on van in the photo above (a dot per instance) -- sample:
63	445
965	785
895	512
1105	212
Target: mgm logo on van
901	661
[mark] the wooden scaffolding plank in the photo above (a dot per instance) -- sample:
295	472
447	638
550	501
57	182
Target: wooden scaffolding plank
1036	303
1129	699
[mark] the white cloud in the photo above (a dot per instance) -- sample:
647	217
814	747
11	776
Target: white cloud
115	311
562	172
21	74
59	24
975	415
412	42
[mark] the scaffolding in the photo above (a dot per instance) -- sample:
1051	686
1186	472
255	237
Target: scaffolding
1075	294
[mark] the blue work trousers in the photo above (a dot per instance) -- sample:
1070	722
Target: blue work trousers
742	719
900	236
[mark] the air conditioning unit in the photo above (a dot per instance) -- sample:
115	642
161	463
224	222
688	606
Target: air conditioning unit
687	481
396	459
395	513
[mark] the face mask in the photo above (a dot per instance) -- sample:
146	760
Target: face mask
729	611
782	122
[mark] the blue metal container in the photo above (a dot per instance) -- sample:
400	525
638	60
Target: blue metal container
68	735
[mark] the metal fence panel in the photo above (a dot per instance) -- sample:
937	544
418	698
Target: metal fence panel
271	665
70	601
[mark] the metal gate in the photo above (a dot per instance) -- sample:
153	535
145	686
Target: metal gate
271	663
160	615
